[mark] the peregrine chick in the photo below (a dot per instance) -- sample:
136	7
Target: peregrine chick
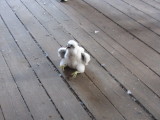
74	57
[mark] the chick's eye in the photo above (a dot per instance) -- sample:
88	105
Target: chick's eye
72	46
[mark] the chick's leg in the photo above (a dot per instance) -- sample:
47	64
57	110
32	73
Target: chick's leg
62	67
74	74
80	69
63	64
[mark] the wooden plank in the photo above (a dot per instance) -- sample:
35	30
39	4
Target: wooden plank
42	43
107	88
91	96
63	98
153	3
149	10
83	39
128	60
12	106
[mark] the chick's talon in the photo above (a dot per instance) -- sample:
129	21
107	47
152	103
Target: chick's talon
62	67
74	74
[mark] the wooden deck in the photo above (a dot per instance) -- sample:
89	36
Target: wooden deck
122	81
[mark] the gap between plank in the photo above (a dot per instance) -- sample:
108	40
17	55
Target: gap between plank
2	111
150	5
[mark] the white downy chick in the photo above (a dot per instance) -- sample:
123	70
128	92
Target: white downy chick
74	57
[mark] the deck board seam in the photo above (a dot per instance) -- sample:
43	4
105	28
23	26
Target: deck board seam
150	5
2	110
131	95
105	96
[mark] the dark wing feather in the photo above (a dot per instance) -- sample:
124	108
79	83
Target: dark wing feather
61	52
85	57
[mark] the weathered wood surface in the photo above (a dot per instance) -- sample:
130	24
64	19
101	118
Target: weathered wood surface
124	58
12	103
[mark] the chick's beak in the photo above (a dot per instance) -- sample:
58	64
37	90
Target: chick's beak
68	46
